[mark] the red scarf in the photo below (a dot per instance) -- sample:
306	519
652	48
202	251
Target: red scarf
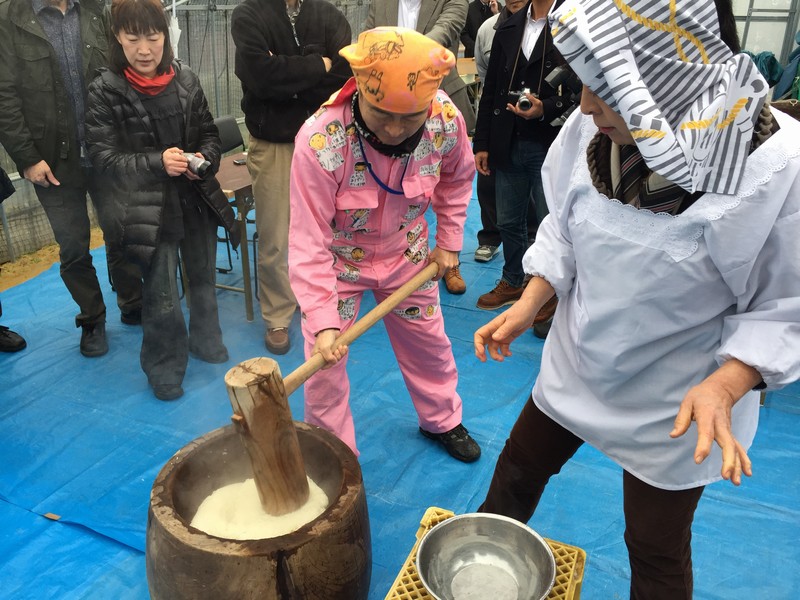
151	87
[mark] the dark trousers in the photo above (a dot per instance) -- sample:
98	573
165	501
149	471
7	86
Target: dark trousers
489	235
165	344
66	209
657	522
517	183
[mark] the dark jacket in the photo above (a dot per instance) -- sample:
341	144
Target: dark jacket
497	127
477	13
284	83
36	120
128	162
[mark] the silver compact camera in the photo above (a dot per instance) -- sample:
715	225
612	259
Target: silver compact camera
522	101
198	166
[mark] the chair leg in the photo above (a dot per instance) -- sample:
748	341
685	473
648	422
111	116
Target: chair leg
255	263
227	240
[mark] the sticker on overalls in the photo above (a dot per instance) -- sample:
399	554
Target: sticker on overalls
346	308
336	134
350	273
358	178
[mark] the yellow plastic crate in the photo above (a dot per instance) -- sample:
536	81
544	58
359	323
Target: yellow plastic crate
570	561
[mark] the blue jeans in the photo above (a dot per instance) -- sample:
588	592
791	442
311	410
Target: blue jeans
519	183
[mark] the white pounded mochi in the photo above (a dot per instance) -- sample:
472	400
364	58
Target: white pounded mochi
234	512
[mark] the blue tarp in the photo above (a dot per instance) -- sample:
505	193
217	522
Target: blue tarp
84	439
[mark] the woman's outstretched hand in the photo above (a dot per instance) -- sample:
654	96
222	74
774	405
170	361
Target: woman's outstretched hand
709	404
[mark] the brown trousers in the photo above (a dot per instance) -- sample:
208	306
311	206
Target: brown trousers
658	523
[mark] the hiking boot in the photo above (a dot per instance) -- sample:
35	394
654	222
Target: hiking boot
458	443
133	317
547	311
167	391
454	282
93	340
485	253
277	340
503	294
11	341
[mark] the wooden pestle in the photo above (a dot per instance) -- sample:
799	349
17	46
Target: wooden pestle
263	419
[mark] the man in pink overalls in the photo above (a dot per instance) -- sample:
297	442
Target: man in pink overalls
365	169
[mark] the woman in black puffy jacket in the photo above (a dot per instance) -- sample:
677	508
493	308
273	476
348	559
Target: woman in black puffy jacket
146	118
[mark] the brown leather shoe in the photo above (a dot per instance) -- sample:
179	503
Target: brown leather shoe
277	340
547	311
503	294
454	282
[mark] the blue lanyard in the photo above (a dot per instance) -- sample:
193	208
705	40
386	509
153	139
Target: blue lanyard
382	185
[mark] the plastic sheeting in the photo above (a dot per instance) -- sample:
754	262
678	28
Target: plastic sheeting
84	439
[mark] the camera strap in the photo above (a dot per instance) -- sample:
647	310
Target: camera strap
519	51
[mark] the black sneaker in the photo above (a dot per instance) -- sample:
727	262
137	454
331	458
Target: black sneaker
458	443
133	317
93	340
11	341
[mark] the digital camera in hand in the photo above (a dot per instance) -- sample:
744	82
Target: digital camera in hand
520	99
197	165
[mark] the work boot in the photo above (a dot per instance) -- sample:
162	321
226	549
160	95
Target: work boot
485	252
454	282
11	341
547	311
503	294
93	340
277	340
544	318
458	443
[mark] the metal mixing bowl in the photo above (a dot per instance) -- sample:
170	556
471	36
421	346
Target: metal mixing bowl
480	555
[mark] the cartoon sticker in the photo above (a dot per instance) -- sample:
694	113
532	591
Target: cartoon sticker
346	308
423	149
336	133
357	219
350	252
351	273
411	313
431	170
358	177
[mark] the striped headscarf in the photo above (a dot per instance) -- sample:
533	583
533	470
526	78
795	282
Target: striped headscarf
690	103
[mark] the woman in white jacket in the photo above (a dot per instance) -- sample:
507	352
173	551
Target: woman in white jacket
671	244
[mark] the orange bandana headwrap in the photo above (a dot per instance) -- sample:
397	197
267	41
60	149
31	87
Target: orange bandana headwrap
397	69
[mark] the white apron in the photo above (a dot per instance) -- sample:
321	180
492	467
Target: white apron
651	304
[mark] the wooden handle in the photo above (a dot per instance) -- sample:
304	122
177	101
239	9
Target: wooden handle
301	374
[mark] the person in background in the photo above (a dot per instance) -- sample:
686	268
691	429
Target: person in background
520	114
442	21
155	147
477	14
672	245
287	60
366	168
49	52
489	236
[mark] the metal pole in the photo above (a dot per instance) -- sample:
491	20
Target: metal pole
212	8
